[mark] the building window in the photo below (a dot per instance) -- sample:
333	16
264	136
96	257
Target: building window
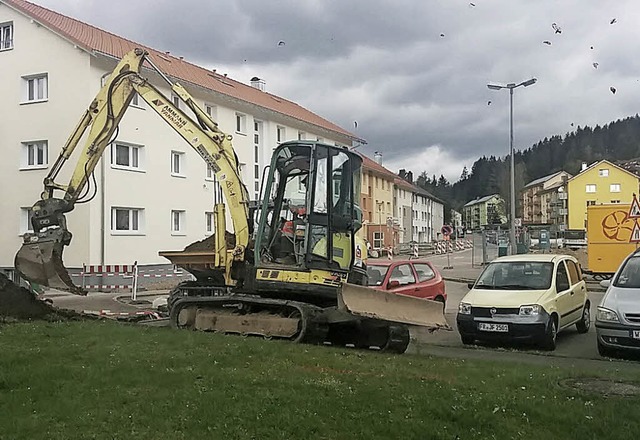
6	36
211	110
591	188
35	154
591	202
603	172
615	201
136	101
26	215
208	221
177	164
176	100
36	88
378	239
126	156
280	134
241	123
177	222
614	188
126	220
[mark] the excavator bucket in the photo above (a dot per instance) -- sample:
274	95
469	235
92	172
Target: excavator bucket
40	261
378	304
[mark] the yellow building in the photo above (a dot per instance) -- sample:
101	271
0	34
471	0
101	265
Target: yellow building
601	182
377	204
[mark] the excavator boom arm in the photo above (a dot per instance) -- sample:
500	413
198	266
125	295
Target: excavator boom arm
40	257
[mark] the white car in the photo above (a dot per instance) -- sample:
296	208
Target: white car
528	297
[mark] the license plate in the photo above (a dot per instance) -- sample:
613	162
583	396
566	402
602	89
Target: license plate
635	334
488	327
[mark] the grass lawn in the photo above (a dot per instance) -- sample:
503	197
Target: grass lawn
106	380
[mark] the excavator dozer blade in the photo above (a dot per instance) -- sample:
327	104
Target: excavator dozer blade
40	262
378	304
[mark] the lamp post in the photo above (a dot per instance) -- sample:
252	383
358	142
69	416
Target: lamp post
511	86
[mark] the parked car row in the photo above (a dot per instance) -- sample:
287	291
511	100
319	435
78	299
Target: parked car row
528	298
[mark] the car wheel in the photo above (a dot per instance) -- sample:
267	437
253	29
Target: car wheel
549	339
467	340
585	322
605	351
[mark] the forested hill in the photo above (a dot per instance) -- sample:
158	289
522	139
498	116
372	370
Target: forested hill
619	140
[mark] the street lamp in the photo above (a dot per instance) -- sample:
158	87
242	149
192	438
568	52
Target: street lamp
511	86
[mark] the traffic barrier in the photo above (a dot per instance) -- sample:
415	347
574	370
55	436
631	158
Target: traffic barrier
121	276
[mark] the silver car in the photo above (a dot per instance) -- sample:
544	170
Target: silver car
618	316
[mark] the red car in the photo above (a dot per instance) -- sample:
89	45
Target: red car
408	277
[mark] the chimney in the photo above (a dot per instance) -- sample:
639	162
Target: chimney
402	173
410	176
377	156
584	166
258	83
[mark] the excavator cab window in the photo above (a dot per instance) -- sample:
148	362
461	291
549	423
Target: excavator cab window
313	217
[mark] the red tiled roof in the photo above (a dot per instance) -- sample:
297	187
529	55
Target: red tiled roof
372	165
94	39
400	182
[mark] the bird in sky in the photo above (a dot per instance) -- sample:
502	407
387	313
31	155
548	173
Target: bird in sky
442	35
355	124
595	65
488	102
281	43
547	42
572	124
472	4
613	21
556	28
613	90
591	47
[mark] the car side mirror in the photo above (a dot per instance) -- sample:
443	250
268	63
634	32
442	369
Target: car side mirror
470	285
605	283
393	284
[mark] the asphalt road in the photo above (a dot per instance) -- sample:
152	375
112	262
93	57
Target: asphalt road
571	344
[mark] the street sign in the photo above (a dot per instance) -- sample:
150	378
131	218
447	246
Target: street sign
635	234
446	230
634	210
518	222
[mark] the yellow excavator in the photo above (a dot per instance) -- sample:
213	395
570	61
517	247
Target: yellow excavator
292	268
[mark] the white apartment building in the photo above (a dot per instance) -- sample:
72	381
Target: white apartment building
403	205
153	191
428	216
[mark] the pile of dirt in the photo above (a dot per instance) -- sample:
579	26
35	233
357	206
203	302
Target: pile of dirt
208	244
18	302
21	304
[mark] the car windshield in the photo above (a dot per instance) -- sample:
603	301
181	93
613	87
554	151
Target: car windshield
516	275
629	276
376	274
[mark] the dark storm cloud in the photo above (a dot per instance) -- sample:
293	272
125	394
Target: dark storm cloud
418	97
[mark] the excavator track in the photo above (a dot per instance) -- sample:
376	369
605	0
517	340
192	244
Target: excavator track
250	315
299	322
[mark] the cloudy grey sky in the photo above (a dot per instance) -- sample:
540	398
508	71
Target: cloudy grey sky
412	73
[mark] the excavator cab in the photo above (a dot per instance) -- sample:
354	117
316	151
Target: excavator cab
309	213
